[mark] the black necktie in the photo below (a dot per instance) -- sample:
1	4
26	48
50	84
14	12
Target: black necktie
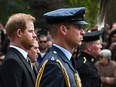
73	62
29	63
35	70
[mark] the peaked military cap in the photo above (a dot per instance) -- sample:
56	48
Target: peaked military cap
92	36
73	15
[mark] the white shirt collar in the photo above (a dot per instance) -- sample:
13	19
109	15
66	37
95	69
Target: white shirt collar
66	52
24	53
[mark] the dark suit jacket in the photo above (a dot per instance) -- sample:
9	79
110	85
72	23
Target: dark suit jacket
87	70
15	71
53	75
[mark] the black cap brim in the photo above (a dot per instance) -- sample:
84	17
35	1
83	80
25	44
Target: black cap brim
92	36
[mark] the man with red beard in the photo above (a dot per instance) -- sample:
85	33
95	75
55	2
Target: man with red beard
15	70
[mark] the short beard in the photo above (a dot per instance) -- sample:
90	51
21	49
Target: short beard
27	44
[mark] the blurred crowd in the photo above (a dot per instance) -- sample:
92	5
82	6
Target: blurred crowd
108	37
44	39
105	62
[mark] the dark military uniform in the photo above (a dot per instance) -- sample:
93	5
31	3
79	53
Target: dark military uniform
87	70
85	63
53	75
57	69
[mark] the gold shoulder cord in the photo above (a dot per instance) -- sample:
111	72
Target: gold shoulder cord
78	81
40	73
77	78
65	73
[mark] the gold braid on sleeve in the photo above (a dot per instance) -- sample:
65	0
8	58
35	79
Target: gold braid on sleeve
78	80
40	73
64	73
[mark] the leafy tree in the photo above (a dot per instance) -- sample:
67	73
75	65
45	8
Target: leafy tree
41	6
38	7
111	12
9	7
92	8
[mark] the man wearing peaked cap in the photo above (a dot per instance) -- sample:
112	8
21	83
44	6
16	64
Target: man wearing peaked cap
57	69
74	15
91	49
92	36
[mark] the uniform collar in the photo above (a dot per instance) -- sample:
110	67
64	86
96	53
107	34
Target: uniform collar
88	56
66	52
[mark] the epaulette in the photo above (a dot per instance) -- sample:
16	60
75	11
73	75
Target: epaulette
40	73
53	55
52	59
92	60
39	76
85	60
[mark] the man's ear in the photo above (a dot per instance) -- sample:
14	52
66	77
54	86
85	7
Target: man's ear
89	47
63	29
19	32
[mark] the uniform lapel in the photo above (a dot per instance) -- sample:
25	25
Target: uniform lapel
63	57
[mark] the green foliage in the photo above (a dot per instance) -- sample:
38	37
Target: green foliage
92	8
9	7
38	7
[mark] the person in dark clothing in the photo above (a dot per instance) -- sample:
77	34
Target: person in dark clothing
111	44
57	69
43	46
111	39
15	70
5	46
33	55
91	49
